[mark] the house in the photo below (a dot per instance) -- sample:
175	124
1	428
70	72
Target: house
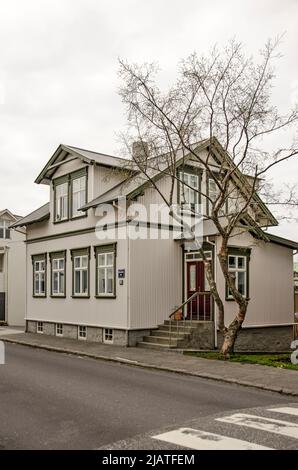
88	280
12	271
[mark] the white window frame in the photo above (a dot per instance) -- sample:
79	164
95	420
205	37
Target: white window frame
82	332
80	268
58	271
41	273
79	194
61	201
39	327
59	329
105	267
185	177
108	335
236	270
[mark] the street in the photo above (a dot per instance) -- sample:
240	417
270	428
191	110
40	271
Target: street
57	401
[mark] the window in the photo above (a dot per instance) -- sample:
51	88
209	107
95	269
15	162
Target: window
1	262
238	266
4	230
39	275
78	195
80	263
187	194
82	332
213	193
108	335
61	202
105	270
58	261
39	327
59	329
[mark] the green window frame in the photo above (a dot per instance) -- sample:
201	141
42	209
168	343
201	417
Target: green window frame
58	274
193	177
4	229
78	192
80	272
224	210
39	278
65	195
105	275
238	264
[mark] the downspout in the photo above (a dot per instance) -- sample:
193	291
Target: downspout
215	276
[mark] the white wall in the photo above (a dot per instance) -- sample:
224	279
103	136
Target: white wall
270	283
108	312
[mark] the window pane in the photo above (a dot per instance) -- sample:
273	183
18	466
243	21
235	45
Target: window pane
241	262
232	262
241	282
61	283
110	280
55	264
1	233
42	284
61	263
77	262
85	281
110	258
85	261
55	283
192	277
101	281
77	288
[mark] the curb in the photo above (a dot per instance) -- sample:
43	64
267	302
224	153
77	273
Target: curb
129	362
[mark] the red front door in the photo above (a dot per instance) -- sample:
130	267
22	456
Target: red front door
199	307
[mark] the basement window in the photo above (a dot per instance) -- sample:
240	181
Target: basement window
40	327
82	332
108	335
59	329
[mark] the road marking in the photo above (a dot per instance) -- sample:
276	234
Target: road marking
288	410
276	426
201	440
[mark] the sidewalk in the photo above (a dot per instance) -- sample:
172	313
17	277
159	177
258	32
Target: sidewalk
251	375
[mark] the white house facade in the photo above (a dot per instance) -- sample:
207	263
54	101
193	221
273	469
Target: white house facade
87	281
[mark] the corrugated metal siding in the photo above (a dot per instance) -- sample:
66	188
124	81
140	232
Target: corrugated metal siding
155	281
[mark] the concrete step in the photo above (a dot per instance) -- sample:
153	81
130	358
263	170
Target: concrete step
160	340
164	347
173	333
192	323
181	329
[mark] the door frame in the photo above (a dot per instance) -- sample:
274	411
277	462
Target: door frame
194	255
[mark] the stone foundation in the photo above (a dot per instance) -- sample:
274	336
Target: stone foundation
94	334
263	339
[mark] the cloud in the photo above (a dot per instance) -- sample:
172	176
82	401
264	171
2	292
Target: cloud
58	72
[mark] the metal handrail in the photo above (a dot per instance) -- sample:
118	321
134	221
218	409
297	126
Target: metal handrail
181	307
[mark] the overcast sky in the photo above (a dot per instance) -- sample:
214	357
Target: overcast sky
58	72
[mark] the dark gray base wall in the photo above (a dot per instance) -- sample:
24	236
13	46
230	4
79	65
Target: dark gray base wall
264	339
94	334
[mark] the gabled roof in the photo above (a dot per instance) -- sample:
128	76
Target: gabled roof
68	153
135	184
282	241
42	213
6	211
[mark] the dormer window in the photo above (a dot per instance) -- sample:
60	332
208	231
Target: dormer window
78	187
4	230
61	202
189	187
70	194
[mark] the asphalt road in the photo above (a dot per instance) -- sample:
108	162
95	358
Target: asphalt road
56	401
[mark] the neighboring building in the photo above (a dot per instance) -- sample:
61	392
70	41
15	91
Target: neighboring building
12	271
118	290
296	276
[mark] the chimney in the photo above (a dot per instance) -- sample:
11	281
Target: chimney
140	150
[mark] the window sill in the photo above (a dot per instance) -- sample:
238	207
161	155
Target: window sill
100	296
76	217
233	300
80	296
60	221
53	296
43	296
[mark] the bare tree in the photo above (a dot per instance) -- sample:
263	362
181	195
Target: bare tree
222	97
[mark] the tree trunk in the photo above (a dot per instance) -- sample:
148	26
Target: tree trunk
231	333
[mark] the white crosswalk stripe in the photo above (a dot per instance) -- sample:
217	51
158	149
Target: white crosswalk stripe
276	426
288	410
201	440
